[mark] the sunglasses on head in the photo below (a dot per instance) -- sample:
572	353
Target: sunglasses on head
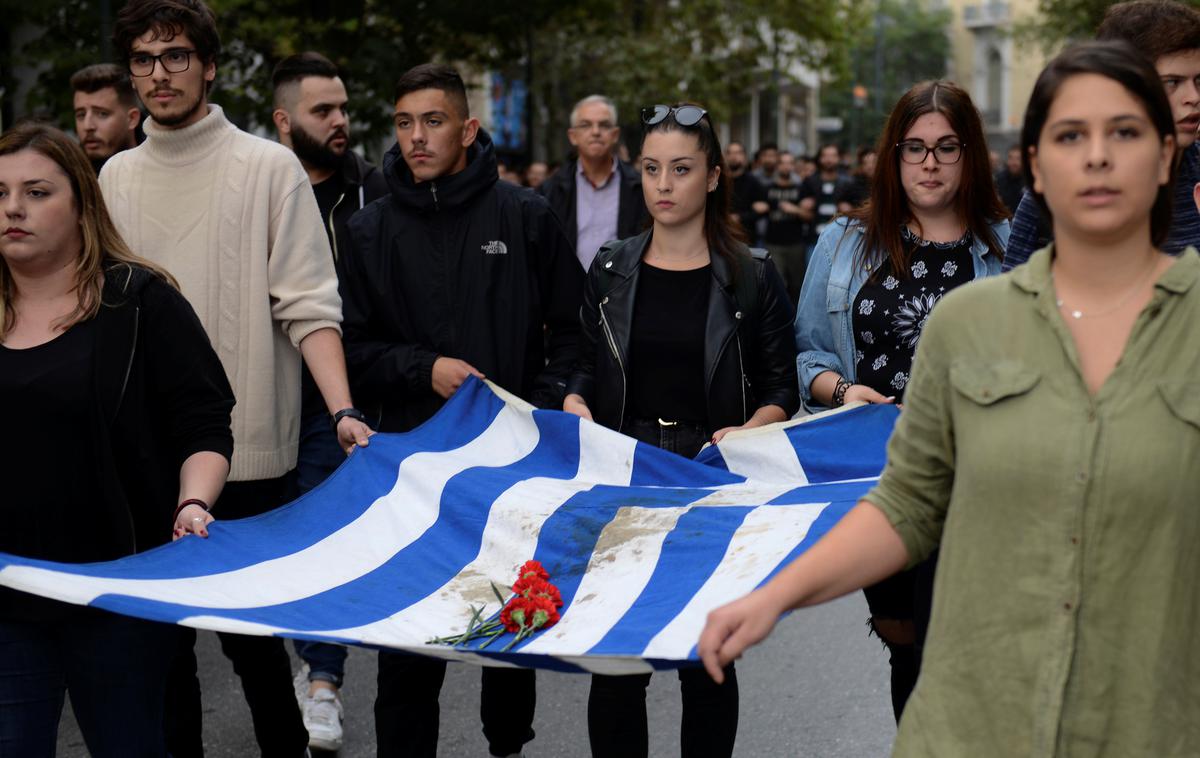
685	115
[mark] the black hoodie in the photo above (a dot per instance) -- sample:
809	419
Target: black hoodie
464	266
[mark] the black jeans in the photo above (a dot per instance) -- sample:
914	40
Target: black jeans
407	711
114	667
906	596
261	663
617	724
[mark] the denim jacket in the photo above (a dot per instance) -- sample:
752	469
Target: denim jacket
824	315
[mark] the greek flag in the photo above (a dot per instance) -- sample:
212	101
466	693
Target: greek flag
409	533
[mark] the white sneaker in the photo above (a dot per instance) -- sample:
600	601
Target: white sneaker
300	684
323	719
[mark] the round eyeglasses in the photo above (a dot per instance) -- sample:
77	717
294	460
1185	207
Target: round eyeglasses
685	115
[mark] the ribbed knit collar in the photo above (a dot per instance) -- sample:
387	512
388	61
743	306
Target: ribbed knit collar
191	143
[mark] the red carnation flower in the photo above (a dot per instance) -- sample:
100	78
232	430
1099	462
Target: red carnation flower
533	568
544	614
516	615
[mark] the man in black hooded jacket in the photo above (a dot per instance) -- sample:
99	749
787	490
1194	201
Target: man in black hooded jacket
453	274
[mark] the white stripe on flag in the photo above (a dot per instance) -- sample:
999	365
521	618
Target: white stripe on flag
764	457
759	545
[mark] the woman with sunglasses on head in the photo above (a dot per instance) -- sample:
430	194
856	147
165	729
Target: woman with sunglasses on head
1049	444
933	223
686	336
117	438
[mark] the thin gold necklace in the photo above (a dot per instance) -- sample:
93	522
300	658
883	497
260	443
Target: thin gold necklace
1078	314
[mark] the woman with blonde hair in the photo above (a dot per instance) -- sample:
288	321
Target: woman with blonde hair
117	416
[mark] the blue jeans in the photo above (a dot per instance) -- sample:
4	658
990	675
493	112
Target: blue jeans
320	454
115	668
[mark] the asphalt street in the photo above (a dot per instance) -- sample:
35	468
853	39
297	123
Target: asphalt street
818	687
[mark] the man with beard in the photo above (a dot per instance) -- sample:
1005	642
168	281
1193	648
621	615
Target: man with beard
311	118
106	111
455	274
232	216
598	198
787	231
749	201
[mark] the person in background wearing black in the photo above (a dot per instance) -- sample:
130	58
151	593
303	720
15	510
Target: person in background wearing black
419	281
536	174
787	231
766	158
821	190
1010	182
700	320
311	117
749	199
118	417
857	191
106	111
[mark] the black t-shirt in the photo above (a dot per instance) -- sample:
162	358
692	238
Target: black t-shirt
747	190
856	191
666	345
48	451
785	228
327	192
826	193
889	315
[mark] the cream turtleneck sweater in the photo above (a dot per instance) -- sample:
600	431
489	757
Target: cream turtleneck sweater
233	217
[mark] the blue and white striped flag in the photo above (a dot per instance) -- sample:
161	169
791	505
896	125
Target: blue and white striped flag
399	542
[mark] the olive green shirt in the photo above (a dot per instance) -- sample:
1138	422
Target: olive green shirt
1066	619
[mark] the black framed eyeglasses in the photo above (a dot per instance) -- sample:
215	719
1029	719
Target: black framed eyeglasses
915	152
685	115
173	62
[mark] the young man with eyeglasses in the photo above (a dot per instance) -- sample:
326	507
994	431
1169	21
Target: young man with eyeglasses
596	197
454	274
233	217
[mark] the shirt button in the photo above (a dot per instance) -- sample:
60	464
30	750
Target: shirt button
608	264
1066	606
737	315
1074	540
1091	415
1081	477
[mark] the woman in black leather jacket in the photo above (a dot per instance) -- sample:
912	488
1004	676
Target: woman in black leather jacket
686	336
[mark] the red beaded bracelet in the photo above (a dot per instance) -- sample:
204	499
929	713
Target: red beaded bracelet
186	503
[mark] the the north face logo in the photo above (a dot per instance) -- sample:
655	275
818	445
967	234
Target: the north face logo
495	247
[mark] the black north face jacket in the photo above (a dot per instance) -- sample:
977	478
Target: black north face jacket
466	267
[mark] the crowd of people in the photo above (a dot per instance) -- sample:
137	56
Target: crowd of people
202	323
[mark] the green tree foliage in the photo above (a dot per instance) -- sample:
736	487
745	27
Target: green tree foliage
1060	21
898	43
636	51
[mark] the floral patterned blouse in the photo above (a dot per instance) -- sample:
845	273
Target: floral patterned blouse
890	311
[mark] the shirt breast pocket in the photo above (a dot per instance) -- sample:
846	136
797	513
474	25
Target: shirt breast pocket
988	384
1183	401
837	299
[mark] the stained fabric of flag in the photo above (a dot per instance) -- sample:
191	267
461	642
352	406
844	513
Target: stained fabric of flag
409	533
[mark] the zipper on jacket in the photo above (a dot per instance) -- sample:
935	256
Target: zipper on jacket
745	381
433	189
612	344
329	223
137	318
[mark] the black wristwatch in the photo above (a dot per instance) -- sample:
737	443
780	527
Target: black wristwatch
353	413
